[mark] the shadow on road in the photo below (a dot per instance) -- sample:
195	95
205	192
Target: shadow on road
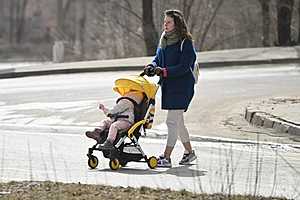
181	171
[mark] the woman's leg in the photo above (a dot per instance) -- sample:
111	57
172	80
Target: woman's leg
189	155
183	133
172	124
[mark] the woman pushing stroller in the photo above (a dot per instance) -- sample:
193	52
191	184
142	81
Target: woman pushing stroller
174	57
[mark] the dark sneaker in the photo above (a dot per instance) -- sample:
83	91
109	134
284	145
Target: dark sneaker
188	158
107	145
164	162
183	158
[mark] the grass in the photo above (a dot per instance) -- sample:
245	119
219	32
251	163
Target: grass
63	191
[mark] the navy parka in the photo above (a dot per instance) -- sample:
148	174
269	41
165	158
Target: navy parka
178	87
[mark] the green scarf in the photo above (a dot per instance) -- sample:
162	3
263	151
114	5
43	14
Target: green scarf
168	38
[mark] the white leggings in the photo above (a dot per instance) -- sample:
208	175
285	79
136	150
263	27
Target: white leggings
175	124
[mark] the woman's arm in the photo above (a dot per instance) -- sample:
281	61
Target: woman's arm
156	61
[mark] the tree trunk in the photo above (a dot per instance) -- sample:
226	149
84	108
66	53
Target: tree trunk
284	18
12	21
265	6
59	16
210	22
20	20
187	9
80	27
62	9
150	34
2	28
298	23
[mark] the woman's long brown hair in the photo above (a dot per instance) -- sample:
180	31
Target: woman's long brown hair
180	24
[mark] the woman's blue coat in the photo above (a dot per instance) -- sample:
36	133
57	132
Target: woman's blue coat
178	87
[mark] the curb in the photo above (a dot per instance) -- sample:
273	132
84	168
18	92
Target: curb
10	74
267	120
15	73
248	62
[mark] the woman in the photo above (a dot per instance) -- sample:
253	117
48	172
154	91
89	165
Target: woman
174	57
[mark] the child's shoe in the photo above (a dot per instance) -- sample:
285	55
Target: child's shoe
188	158
108	145
164	162
95	134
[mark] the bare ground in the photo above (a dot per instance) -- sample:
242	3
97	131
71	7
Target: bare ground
49	190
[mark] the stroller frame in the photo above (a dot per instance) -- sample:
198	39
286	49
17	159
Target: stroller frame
118	158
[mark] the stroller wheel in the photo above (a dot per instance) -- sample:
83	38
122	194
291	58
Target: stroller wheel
123	163
93	161
152	162
114	164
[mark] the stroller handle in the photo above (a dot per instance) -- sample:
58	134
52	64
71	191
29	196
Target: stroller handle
143	74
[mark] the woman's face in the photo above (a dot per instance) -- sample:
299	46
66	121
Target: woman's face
169	24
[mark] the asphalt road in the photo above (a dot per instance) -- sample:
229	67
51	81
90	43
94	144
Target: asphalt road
43	118
216	111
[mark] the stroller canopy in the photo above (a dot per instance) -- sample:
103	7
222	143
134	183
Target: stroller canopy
135	82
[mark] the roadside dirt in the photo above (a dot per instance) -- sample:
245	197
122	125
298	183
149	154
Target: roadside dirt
50	190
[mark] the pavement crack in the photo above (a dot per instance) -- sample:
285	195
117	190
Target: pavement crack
45	165
3	153
30	161
52	161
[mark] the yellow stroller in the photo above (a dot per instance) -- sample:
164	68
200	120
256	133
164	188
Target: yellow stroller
126	146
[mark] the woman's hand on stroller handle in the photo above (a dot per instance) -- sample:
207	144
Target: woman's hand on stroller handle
149	70
158	71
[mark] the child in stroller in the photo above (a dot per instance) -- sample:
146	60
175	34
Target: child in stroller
119	118
132	114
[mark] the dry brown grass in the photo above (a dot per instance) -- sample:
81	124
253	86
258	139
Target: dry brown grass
50	190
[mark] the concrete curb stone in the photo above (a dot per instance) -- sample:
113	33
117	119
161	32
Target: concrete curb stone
267	120
294	130
249	112
258	118
280	126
